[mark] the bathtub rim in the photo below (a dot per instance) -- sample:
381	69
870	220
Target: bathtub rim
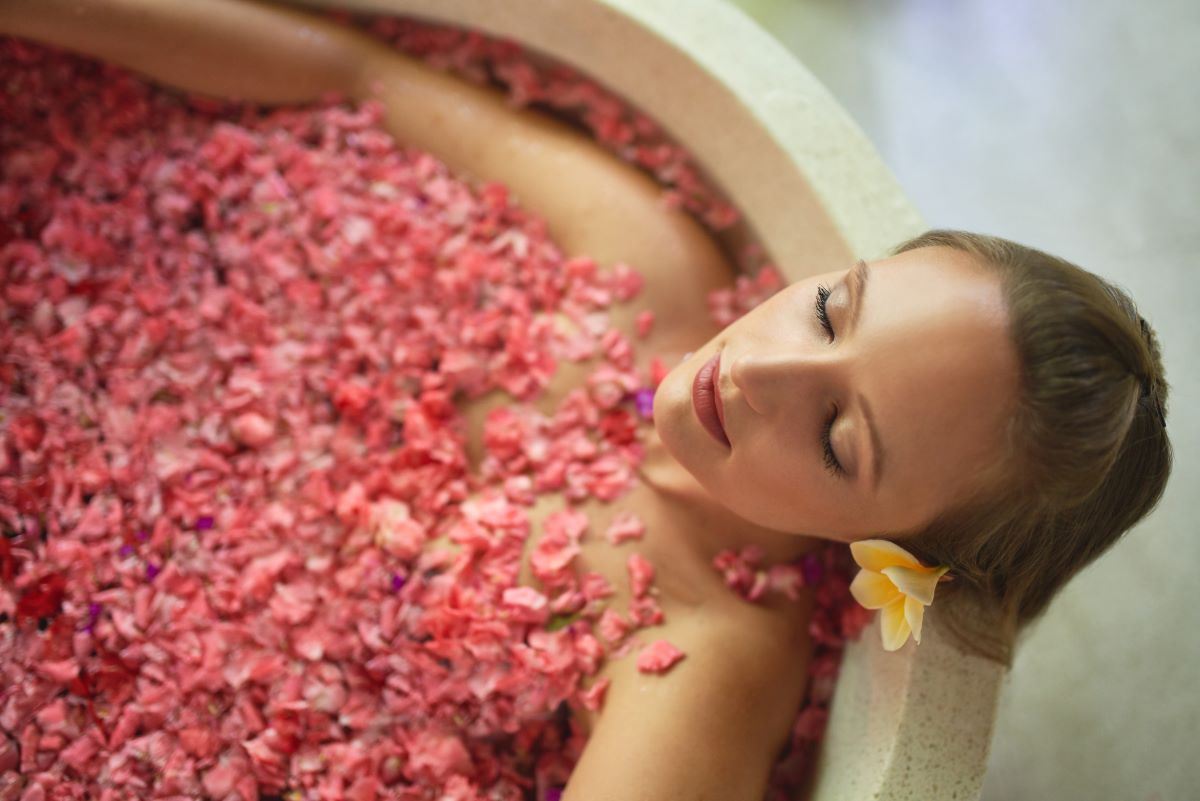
794	154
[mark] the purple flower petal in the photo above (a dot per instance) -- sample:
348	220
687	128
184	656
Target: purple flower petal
204	523
94	610
125	551
644	399
814	571
397	581
143	535
152	570
554	794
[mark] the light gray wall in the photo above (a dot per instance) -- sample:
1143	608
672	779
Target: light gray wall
1072	126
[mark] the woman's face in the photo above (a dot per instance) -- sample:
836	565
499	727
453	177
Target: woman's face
913	389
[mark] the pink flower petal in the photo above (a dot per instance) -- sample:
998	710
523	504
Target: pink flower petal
658	657
240	343
625	526
253	429
641	574
593	697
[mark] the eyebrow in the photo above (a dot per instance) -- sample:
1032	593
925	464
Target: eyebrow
876	449
859	276
858	285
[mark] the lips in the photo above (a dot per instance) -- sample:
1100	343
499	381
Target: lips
706	400
719	401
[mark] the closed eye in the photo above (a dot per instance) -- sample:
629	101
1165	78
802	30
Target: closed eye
831	460
822	314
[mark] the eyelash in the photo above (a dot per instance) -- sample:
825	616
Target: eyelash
822	315
831	461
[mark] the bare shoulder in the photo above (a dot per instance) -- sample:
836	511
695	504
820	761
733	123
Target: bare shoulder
709	728
594	203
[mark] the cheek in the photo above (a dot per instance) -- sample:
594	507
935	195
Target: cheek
769	482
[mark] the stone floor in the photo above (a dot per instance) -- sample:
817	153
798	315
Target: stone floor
1074	127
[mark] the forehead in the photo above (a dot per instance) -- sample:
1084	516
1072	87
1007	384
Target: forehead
939	368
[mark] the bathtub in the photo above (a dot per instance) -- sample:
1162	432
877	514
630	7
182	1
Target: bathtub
917	723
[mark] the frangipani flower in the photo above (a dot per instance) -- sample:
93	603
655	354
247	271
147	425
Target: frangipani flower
893	580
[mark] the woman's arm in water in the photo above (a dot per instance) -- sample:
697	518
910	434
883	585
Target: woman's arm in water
258	52
593	203
235	49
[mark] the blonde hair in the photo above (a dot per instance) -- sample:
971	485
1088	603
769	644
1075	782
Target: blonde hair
1090	450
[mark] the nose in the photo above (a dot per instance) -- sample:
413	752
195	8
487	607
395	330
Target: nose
773	376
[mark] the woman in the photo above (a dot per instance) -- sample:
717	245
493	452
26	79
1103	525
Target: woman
987	406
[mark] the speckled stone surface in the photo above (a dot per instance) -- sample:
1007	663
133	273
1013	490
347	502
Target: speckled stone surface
911	725
915	724
1073	127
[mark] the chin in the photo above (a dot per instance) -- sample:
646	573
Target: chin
683	438
675	420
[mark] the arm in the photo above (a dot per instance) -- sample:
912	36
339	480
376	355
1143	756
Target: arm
267	53
234	49
593	203
711	728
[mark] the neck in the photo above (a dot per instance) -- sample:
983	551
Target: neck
716	527
667	477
